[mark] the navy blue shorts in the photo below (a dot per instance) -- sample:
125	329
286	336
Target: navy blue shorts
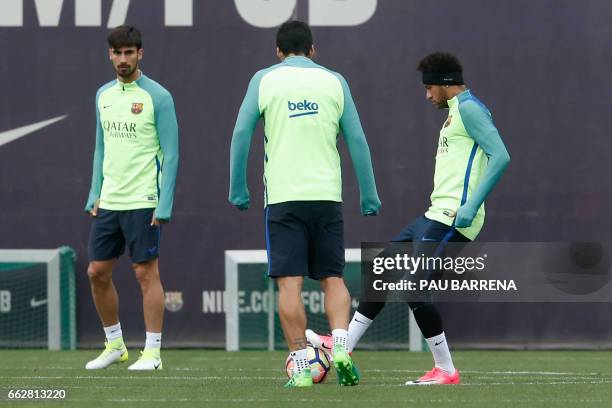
425	230
111	231
431	238
305	238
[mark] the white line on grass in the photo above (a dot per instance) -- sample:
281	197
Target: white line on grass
470	401
134	377
369	370
552	373
277	378
541	383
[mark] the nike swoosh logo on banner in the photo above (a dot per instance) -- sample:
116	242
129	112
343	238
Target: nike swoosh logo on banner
9	135
35	303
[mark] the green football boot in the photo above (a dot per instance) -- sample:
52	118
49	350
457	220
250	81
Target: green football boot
347	371
303	379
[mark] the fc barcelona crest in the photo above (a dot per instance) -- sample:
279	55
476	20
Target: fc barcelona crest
173	301
137	108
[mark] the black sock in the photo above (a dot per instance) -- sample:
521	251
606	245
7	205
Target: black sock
428	318
370	309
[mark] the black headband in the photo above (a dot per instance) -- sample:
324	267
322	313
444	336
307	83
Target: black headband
451	78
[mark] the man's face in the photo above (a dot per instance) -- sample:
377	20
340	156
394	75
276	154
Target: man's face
125	60
437	95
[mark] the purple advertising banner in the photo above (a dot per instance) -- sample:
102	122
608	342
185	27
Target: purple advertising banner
540	67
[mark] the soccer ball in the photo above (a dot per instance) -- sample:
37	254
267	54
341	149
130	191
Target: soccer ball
319	364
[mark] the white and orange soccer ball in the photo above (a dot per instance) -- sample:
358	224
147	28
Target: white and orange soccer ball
319	364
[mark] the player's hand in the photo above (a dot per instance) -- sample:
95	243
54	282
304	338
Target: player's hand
242	206
156	222
94	210
240	200
465	216
370	206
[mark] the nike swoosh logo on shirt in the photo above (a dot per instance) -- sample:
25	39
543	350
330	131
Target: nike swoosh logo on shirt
9	135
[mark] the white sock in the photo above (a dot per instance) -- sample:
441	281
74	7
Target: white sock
300	360
113	332
340	337
357	328
153	340
441	353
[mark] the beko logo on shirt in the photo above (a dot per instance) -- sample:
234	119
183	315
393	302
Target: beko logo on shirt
120	130
179	13
302	108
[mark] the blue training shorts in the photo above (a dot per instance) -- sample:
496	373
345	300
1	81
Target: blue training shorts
111	231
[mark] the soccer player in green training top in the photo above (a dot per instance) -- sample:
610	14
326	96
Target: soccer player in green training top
132	190
304	107
470	160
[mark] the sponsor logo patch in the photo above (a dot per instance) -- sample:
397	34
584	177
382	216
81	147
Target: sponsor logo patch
302	108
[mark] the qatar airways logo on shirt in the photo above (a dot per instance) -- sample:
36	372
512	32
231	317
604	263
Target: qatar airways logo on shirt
302	108
120	130
443	145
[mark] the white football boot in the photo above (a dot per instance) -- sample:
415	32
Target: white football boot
149	360
114	352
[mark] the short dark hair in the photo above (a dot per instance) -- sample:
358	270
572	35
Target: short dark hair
440	63
124	36
294	37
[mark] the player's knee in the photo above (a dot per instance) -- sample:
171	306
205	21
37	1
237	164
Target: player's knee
145	273
290	285
288	290
333	284
97	274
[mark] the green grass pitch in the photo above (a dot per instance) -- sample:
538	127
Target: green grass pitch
205	378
